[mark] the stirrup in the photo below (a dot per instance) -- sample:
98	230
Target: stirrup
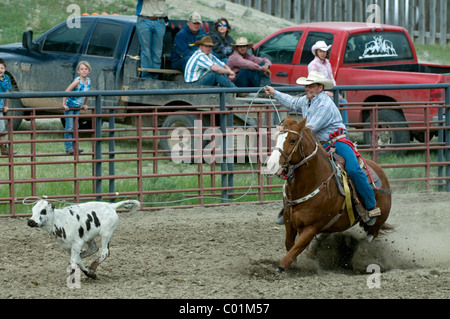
374	212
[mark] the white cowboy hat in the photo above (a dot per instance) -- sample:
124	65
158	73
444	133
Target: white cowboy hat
316	77
320	45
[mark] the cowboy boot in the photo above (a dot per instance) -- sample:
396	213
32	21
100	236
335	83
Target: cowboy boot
4	149
373	214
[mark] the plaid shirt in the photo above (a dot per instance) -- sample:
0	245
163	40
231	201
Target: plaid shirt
323	117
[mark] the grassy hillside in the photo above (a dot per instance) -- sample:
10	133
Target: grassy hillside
39	15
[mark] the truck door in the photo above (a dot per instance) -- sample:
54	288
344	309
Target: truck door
281	51
307	56
104	57
54	68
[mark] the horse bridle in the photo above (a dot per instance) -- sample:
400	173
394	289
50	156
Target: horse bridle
289	168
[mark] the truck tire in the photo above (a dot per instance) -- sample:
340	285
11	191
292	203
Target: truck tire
389	137
185	124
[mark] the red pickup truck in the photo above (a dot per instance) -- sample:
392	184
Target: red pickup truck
360	55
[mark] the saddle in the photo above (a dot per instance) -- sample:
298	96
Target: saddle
338	163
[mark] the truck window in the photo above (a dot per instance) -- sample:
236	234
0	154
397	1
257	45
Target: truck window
377	47
65	39
104	39
313	37
280	48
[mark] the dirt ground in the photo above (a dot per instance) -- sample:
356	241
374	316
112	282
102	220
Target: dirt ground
232	252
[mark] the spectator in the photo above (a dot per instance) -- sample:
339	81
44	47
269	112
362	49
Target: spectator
205	68
222	40
151	28
5	86
322	64
251	71
72	105
184	41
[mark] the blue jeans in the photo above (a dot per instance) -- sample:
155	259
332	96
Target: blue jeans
212	78
343	112
356	175
251	78
180	65
69	127
151	36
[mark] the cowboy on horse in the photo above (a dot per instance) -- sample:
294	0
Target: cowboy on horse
325	121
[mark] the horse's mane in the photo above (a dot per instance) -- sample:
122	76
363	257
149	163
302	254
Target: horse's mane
291	124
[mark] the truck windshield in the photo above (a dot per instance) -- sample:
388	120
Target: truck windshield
377	47
66	39
280	48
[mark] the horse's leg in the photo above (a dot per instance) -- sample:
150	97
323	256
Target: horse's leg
305	237
313	247
290	236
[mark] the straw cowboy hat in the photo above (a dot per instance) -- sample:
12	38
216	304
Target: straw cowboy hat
240	42
316	77
206	40
320	45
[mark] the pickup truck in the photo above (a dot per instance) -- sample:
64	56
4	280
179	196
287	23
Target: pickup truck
111	45
360	55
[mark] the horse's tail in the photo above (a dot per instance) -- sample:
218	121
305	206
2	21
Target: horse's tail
386	228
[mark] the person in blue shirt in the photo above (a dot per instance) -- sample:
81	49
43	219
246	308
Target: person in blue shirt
73	105
184	42
5	86
325	121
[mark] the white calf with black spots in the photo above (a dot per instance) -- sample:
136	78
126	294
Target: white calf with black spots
75	225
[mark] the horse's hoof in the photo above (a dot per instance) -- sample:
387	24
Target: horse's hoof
280	270
369	238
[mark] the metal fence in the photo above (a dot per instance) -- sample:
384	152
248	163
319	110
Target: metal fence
122	161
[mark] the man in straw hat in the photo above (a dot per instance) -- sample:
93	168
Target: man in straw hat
205	68
183	43
251	71
323	118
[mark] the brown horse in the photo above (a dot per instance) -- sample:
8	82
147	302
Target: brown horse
312	201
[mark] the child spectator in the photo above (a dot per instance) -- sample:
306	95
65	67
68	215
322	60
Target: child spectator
5	86
72	105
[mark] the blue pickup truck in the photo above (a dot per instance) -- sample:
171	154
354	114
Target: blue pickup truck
110	44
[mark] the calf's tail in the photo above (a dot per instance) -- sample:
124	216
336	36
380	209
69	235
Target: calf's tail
131	205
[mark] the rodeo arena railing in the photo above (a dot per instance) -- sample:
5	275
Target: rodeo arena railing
217	161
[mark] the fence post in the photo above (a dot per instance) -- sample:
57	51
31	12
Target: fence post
223	128
112	151
447	135
98	145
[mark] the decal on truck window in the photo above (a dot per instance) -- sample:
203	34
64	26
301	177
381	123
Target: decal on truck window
378	48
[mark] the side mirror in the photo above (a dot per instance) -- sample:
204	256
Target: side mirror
27	39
